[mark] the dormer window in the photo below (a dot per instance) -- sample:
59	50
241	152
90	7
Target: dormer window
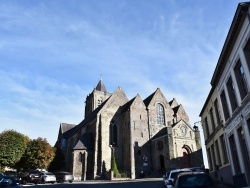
160	114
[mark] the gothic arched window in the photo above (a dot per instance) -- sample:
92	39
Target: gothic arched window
160	114
80	157
113	134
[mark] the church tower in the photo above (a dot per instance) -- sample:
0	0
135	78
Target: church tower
96	98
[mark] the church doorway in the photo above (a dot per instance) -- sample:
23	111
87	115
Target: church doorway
185	158
161	163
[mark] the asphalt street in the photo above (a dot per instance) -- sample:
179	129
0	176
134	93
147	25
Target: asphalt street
137	183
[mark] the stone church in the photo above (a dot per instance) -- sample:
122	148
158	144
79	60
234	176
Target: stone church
152	135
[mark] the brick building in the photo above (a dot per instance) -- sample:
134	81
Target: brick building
153	135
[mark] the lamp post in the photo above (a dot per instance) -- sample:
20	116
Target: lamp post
196	127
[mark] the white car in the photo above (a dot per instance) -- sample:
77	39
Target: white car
47	177
171	175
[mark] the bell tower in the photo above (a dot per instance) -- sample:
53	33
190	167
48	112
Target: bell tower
96	98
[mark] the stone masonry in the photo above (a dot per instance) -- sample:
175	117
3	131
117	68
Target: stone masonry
152	135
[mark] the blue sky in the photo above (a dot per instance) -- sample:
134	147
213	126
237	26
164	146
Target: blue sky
52	54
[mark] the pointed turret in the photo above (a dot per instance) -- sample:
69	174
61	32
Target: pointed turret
100	86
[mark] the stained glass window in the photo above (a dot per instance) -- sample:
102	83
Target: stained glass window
160	114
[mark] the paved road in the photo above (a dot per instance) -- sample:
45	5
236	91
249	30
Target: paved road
140	183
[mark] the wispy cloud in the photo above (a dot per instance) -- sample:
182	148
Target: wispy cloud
38	104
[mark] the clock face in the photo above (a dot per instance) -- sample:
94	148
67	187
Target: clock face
183	130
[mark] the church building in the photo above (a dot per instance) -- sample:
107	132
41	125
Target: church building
152	135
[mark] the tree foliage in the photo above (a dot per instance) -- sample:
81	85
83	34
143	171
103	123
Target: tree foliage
38	154
12	147
58	163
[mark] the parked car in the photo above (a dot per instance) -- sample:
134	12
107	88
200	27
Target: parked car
165	178
171	175
47	177
196	169
10	173
7	181
29	176
64	177
193	179
12	177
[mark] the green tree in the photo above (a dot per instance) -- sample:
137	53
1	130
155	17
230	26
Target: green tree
38	154
58	163
12	147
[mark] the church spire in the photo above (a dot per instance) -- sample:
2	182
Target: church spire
100	86
96	98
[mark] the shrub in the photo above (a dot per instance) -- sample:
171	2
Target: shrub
123	175
113	166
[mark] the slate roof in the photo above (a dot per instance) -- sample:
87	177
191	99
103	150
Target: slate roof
65	127
175	109
170	102
162	132
101	87
127	105
148	99
86	142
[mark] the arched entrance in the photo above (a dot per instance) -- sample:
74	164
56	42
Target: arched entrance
185	159
161	159
161	163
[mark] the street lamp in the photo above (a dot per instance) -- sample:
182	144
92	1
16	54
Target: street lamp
196	127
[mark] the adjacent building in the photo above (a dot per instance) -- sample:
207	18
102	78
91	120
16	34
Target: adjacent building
152	135
225	115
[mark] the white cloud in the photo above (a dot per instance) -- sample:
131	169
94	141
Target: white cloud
38	105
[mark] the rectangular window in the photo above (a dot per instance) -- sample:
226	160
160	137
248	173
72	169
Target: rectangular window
224	105
213	155
223	147
247	53
232	95
212	118
244	150
216	107
236	163
218	152
206	127
241	79
210	160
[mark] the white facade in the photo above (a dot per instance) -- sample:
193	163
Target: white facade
231	90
